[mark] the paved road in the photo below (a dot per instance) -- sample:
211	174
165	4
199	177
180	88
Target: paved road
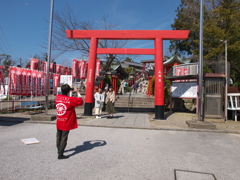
112	153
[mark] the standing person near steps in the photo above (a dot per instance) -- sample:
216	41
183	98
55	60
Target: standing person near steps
66	116
110	100
121	88
99	97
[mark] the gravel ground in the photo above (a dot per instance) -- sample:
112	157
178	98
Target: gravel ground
178	120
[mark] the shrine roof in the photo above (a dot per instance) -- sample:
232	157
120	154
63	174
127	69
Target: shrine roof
119	69
175	58
168	61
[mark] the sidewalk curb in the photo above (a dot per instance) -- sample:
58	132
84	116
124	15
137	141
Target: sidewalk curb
145	128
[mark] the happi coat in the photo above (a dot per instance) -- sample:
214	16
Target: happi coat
66	114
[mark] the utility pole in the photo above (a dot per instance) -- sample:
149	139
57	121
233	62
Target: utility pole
200	66
49	55
226	81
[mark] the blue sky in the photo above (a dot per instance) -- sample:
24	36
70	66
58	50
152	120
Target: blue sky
24	23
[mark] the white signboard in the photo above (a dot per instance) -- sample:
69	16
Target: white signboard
184	89
66	79
30	141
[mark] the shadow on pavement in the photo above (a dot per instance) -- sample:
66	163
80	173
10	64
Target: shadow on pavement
168	114
114	117
9	123
87	145
117	116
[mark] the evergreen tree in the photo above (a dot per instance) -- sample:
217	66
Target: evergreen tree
187	19
221	22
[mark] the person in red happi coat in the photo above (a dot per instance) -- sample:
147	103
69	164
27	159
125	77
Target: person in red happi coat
66	116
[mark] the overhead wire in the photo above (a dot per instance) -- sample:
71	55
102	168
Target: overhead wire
6	45
3	46
2	50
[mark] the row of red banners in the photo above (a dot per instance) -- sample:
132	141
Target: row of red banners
28	82
79	69
54	68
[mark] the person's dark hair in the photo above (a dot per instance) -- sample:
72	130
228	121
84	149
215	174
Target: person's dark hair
65	89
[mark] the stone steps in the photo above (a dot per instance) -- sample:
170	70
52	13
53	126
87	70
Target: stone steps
139	110
147	105
136	104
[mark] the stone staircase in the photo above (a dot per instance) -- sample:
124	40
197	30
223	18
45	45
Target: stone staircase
136	103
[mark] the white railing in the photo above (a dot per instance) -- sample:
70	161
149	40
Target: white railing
234	103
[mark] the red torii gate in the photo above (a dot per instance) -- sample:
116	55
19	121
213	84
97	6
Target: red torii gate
157	35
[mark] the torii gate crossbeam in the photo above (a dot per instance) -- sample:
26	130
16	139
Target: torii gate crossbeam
157	35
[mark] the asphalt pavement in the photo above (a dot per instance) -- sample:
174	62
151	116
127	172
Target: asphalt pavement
117	153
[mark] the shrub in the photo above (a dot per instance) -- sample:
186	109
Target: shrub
128	89
166	91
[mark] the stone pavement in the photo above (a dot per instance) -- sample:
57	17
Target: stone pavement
174	121
127	120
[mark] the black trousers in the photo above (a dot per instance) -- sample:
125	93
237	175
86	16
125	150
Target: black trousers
62	137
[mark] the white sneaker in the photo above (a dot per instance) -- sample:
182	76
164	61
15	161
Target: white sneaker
97	117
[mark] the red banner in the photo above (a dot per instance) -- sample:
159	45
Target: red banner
39	86
56	79
82	69
44	66
74	68
18	81
79	69
56	83
24	76
12	84
34	64
62	70
58	69
97	68
51	68
85	71
34	83
28	82
54	67
44	84
67	72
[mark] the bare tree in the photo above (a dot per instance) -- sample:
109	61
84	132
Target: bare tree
67	19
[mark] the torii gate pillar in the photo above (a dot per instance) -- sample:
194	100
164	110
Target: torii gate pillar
91	77
157	35
159	79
